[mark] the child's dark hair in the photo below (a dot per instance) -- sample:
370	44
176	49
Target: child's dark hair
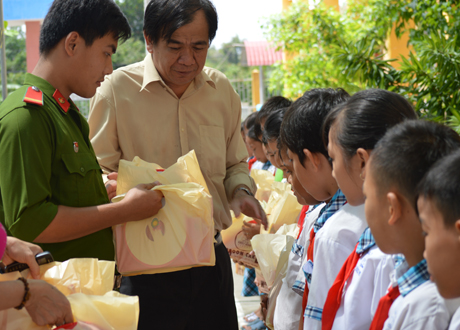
252	134
272	104
407	151
303	121
92	19
441	185
250	120
364	119
273	125
163	17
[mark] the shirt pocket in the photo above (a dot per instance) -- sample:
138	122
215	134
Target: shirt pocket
213	150
78	181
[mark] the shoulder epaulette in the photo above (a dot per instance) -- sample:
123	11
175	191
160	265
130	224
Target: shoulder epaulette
33	96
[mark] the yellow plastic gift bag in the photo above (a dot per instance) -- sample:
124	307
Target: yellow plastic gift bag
263	180
87	283
280	274
179	236
268	248
186	169
238	246
282	207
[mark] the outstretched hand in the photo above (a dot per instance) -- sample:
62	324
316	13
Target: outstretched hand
23	252
143	201
248	205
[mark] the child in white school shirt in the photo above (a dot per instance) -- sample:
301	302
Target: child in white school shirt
289	303
301	133
396	166
439	211
353	129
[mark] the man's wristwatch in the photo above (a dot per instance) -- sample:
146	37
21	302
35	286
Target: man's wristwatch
244	189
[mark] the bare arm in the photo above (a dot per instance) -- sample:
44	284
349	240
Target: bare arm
46	304
71	222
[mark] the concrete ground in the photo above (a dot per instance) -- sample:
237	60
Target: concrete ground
244	305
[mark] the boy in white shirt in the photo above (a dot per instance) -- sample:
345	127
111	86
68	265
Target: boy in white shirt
439	211
301	133
397	164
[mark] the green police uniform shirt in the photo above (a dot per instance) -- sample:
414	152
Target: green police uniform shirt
46	160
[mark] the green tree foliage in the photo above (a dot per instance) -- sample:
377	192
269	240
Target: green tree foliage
227	59
133	49
347	50
16	60
134	12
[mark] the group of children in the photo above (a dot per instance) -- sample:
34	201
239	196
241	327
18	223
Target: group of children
379	241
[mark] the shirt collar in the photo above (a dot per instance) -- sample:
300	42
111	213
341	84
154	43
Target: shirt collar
337	201
366	241
267	165
53	93
413	278
151	75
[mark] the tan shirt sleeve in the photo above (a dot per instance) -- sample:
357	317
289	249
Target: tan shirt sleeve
237	167
103	128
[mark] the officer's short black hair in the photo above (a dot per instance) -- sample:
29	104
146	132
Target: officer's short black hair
407	151
163	17
441	186
302	124
92	19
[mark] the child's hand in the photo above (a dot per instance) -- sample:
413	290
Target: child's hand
250	229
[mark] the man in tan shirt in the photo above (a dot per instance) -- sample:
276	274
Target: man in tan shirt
160	109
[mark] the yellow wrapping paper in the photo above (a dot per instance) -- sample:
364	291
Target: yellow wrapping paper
268	248
181	234
263	180
87	283
280	274
282	207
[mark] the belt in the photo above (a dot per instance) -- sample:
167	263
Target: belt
218	238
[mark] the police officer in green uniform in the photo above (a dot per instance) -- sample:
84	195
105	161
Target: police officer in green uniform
51	188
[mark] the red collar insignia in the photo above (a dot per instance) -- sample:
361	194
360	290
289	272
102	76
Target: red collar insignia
63	103
33	96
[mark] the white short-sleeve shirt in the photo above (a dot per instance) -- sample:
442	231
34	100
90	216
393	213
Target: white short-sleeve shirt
333	244
363	290
423	308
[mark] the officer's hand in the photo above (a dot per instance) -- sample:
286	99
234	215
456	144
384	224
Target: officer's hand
144	202
111	185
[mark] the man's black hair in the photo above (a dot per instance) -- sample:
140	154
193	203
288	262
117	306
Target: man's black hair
92	19
407	151
364	119
441	186
272	104
303	121
250	120
163	17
